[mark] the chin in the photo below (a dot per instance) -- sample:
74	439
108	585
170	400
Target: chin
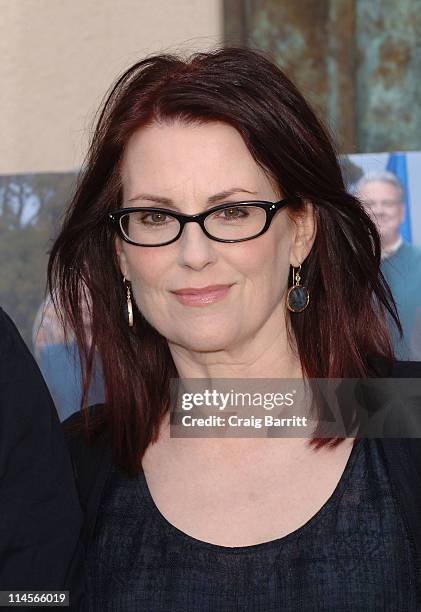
204	343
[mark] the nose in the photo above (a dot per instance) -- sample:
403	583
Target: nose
195	249
380	209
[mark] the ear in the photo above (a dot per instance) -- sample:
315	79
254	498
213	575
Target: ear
122	258
304	234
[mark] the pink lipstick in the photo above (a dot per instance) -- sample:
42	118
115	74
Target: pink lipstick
191	296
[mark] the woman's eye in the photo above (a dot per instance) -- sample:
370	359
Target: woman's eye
155	218
233	213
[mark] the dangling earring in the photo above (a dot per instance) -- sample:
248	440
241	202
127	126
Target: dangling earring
298	295
129	312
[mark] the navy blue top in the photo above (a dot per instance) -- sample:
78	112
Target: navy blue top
353	554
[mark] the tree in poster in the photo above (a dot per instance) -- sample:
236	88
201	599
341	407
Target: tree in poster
31	208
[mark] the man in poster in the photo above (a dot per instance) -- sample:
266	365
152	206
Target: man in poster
382	195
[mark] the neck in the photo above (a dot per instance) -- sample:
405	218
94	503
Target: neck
391	247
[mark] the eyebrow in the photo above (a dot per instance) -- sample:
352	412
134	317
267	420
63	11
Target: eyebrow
214	199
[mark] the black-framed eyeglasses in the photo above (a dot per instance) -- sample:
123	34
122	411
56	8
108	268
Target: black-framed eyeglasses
233	222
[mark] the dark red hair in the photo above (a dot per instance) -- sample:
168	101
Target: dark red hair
343	327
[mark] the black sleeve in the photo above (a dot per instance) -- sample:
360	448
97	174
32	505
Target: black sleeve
40	514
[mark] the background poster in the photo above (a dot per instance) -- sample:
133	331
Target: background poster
407	167
31	210
389	185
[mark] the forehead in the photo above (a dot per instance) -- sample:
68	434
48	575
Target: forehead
174	157
379	190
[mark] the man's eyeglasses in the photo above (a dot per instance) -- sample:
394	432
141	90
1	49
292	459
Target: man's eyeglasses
234	222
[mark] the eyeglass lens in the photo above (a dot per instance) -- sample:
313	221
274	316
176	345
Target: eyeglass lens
153	227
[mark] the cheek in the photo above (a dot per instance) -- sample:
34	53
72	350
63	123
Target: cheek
265	263
147	270
399	216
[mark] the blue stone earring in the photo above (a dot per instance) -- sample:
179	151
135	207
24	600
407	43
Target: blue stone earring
298	296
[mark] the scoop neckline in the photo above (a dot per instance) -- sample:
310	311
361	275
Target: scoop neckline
145	495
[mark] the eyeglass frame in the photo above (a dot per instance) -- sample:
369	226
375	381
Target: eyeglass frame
270	208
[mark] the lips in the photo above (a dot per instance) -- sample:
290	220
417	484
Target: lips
200	290
203	296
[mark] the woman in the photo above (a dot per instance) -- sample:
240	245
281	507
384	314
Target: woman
209	184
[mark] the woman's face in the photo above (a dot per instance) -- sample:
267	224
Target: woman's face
187	165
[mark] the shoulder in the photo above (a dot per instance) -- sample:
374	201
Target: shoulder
87	427
409	448
88	439
10	338
26	406
411	253
90	449
77	418
22	384
381	367
406	369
